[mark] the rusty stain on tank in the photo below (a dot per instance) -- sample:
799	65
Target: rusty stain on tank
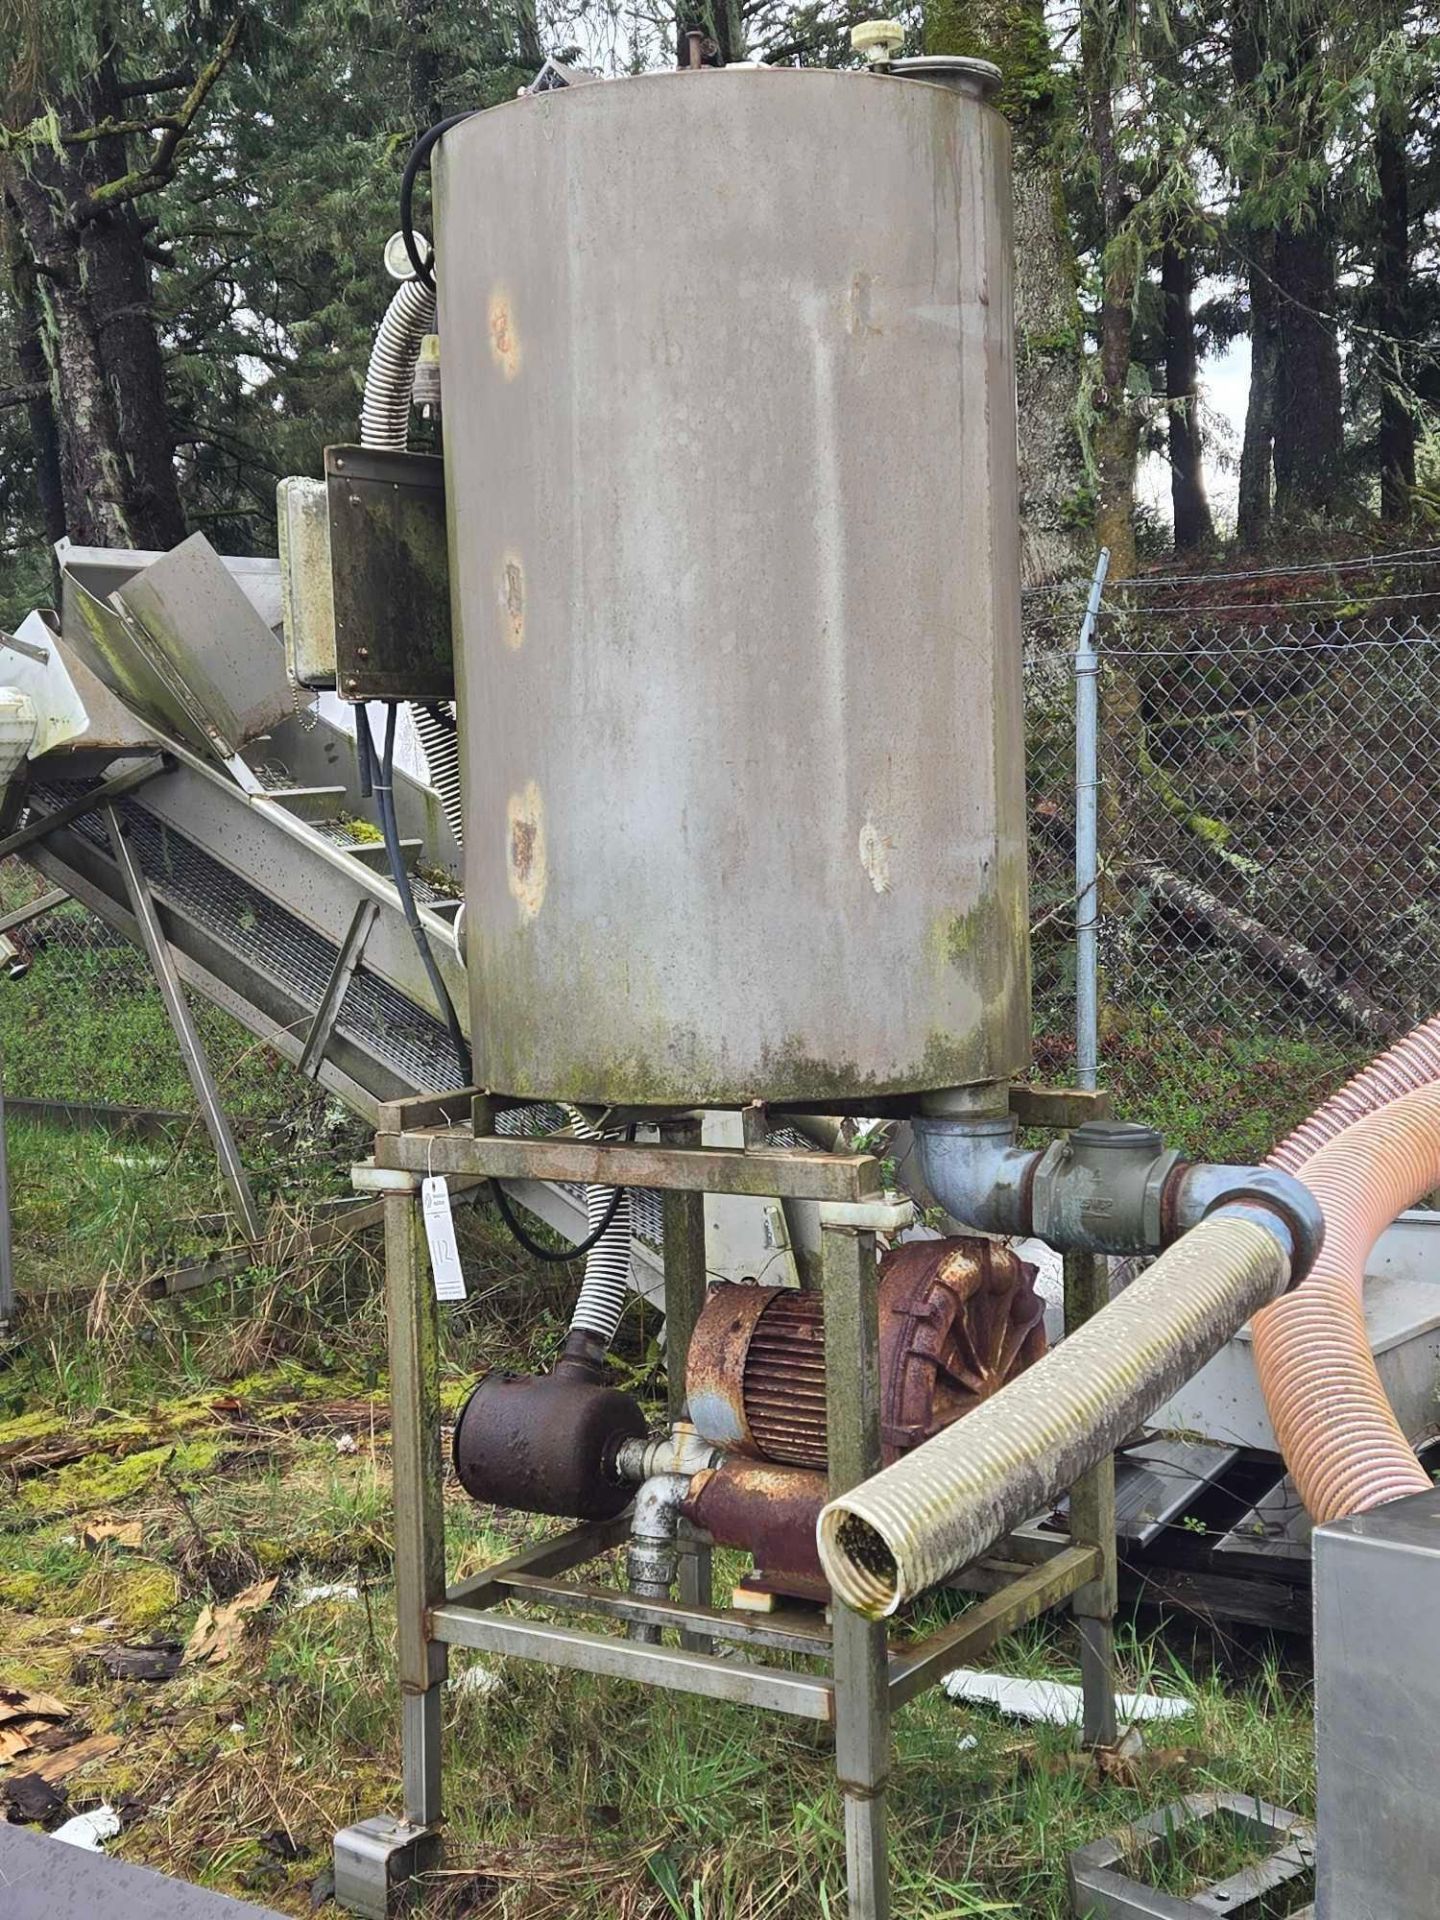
512	598
504	342
526	864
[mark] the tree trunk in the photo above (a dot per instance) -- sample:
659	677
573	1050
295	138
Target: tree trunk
1393	318
1253	516
1193	526
422	62
40	411
1309	432
97	334
1049	333
722	20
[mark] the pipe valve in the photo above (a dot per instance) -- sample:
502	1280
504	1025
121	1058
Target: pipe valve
1109	1187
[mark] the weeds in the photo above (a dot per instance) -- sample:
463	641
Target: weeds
247	1430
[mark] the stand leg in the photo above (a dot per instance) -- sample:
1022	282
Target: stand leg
1092	1523
375	1858
192	1049
862	1678
684	1220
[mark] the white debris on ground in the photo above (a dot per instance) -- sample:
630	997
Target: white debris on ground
332	1590
90	1830
475	1679
1055	1702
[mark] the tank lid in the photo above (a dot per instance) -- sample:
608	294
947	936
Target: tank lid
978	78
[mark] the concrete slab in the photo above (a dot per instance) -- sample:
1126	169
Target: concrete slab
44	1879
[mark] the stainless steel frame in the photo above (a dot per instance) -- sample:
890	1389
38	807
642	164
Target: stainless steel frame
860	1676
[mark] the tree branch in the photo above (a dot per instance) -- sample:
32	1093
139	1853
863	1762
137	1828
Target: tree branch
159	169
158	83
21	396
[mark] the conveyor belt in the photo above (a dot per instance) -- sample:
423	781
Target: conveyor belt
382	1025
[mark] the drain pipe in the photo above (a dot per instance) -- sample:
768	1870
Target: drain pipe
943	1505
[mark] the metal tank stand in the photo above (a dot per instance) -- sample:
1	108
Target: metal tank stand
858	1676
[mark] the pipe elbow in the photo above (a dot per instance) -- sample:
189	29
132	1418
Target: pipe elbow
1269	1195
976	1172
656	1518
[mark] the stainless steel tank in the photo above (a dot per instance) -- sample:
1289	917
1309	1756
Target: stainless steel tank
730	459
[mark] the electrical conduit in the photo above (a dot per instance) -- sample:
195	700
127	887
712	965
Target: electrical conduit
390	376
606	1284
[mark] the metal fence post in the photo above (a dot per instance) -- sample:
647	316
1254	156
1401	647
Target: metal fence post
1087	862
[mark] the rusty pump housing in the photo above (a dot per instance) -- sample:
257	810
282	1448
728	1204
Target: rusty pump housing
958	1318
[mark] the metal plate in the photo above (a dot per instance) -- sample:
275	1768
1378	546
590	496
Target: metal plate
1377	1702
181	644
391	575
45	1879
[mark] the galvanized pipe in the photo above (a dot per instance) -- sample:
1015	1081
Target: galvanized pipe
652	1558
679	1451
1105	1188
1087	836
950	1500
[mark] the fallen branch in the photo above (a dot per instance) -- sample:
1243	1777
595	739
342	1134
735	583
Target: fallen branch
1296	965
1214	834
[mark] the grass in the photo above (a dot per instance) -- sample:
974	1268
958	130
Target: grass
247	1430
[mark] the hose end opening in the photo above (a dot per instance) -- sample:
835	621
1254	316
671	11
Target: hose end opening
858	1563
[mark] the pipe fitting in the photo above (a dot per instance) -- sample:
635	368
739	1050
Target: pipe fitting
652	1558
1101	1188
1276	1198
975	1170
1111	1186
679	1451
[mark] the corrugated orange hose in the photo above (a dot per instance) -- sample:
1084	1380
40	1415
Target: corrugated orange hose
1412	1062
1335	1427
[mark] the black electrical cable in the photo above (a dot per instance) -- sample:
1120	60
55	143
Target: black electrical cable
533	1247
419	157
382	781
365	754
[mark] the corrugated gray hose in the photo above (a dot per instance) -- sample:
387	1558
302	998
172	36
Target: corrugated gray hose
607	1265
943	1505
390	376
385	424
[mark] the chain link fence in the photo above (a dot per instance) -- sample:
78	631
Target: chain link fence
1270	821
1268	767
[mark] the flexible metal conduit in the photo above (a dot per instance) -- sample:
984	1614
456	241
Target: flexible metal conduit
607	1265
390	376
1334	1423
941	1506
385	424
